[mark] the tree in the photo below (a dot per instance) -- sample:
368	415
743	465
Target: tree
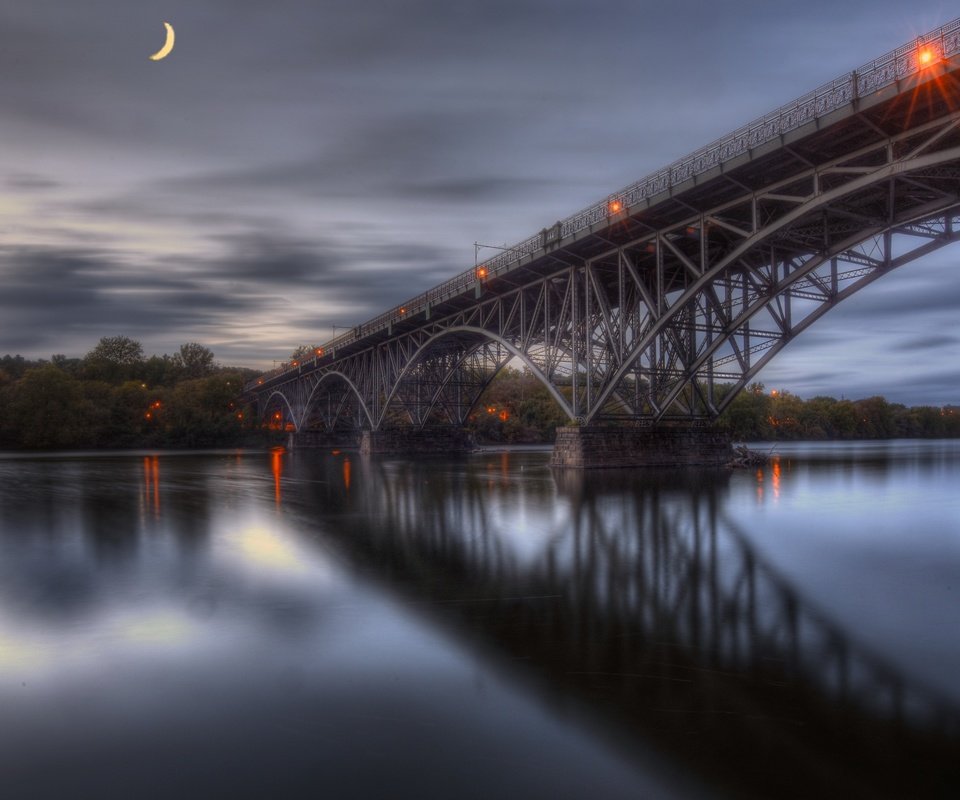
117	350
875	418
516	407
785	414
114	359
15	366
843	419
159	371
302	353
748	415
71	365
203	412
195	360
48	409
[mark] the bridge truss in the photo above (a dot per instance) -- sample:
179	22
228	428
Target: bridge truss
662	302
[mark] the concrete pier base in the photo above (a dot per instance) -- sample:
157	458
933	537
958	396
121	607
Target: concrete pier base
602	447
321	439
413	441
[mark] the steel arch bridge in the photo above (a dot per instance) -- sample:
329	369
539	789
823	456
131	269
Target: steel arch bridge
661	301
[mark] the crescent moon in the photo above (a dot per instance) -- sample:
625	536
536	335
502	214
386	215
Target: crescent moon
164	51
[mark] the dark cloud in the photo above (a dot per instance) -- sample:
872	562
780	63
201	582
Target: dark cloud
365	277
68	299
925	344
476	190
901	294
30	181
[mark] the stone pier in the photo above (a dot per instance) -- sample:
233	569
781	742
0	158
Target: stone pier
668	446
414	441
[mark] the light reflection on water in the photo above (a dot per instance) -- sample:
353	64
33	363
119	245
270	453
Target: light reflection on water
289	622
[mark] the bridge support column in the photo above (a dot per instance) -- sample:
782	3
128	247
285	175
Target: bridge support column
320	439
415	441
680	446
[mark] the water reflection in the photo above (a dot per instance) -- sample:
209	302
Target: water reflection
276	467
151	484
317	613
635	593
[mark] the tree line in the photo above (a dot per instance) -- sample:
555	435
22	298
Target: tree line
116	397
518	408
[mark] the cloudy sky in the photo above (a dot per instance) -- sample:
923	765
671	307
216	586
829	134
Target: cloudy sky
299	164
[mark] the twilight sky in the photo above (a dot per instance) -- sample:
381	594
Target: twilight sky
297	164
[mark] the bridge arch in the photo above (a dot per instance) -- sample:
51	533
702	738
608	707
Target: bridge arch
813	316
483	336
294	417
333	376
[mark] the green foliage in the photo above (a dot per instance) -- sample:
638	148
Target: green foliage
14	366
302	353
115	358
748	415
755	414
159	371
758	415
194	360
114	398
47	409
516	407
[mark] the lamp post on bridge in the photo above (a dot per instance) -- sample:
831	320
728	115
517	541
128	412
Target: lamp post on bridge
480	270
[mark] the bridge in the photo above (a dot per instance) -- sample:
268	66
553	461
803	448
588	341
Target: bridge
644	314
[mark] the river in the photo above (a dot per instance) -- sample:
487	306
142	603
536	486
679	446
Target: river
312	623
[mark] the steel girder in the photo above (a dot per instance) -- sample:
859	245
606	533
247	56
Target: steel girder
671	323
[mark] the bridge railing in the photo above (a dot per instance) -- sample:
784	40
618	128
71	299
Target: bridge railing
907	60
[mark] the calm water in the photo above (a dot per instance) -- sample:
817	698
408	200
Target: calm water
315	624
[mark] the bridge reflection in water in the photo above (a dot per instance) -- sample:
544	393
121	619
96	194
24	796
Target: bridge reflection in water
635	599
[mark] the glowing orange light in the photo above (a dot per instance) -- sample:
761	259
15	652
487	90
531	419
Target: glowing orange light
403	310
319	351
259	380
239	416
504	415
296	363
774	392
481	272
277	415
926	56
491	409
615	206
148	415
